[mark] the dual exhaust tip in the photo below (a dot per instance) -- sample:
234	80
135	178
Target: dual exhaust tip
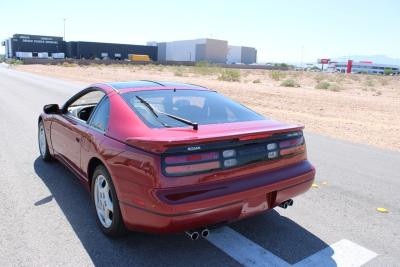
286	204
204	232
195	234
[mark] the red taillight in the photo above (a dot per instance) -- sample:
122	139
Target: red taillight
292	146
292	150
291	142
253	137
193	163
191	158
192	168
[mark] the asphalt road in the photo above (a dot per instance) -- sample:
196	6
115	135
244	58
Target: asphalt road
46	218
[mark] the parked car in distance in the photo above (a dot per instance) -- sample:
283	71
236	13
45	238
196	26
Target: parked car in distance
168	157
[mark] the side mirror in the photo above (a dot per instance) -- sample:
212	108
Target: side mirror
51	109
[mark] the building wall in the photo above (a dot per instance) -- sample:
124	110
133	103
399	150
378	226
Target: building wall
201	52
71	50
9	52
182	50
162	51
210	50
53	44
216	51
249	55
34	44
234	54
241	54
91	50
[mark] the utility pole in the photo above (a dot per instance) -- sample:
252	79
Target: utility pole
301	57
64	19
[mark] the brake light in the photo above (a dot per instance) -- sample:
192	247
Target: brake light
191	168
188	164
253	137
191	158
291	142
291	146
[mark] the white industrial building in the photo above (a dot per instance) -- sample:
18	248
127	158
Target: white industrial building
241	55
209	50
363	67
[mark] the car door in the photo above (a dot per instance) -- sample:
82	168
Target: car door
95	132
68	128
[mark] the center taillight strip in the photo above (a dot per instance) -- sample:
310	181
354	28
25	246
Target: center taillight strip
195	163
193	167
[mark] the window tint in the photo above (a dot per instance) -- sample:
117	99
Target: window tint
200	106
88	99
101	115
83	107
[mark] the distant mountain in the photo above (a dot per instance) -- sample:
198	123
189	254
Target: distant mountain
380	59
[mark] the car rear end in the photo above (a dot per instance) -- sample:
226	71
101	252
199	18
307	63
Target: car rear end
208	183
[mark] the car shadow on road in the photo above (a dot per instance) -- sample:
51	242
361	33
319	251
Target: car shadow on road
280	235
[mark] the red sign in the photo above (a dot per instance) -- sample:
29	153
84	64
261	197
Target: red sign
349	66
324	60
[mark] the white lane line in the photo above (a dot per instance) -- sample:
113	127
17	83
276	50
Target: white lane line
343	253
243	250
246	252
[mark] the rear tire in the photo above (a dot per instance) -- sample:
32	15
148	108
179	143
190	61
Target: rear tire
106	204
42	140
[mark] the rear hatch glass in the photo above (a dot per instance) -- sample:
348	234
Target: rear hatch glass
198	106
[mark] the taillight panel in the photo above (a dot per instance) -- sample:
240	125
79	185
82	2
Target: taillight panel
232	154
198	157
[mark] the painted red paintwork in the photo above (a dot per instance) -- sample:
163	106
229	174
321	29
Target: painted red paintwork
150	201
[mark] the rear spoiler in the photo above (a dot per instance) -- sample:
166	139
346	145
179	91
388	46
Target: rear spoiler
159	145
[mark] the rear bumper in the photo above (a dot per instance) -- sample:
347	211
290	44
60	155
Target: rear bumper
207	205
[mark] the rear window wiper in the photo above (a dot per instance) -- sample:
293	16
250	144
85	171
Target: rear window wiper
156	112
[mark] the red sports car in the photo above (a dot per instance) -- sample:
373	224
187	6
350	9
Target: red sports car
169	157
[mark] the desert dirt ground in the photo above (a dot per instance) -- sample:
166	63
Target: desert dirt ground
358	108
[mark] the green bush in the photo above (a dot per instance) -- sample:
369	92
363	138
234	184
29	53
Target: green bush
290	83
328	86
322	85
277	75
334	87
387	71
205	68
14	61
230	75
281	65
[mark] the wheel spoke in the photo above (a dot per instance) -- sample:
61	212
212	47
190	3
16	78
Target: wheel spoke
108	203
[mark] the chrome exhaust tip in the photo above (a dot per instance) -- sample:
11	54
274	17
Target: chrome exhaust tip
194	235
286	204
205	232
283	205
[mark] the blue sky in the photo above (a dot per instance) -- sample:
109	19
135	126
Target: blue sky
278	29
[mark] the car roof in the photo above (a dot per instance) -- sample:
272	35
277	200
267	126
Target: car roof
152	85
